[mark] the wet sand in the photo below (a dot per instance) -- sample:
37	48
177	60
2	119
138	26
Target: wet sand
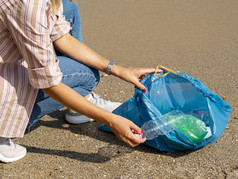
195	37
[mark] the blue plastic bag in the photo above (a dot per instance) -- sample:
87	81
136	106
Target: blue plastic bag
175	91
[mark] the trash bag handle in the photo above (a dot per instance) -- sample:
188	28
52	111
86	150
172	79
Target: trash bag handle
167	69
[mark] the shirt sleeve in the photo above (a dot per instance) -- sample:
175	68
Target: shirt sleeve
30	27
61	26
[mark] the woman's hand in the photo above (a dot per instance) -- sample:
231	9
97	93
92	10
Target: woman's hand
124	128
133	75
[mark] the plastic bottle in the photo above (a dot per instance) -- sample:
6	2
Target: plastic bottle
192	127
161	126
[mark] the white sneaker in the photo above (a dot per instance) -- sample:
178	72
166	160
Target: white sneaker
10	152
77	118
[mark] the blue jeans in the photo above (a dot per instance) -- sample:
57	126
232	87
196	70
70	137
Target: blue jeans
72	15
79	77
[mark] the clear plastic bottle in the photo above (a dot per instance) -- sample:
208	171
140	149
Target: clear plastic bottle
192	127
160	126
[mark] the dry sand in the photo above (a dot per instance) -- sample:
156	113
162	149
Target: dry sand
199	38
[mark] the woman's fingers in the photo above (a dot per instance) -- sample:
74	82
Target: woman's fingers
148	70
131	143
139	85
133	140
130	140
124	129
135	75
140	74
135	128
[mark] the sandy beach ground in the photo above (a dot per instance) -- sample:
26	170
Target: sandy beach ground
199	38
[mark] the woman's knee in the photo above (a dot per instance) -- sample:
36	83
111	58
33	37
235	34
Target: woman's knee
76	74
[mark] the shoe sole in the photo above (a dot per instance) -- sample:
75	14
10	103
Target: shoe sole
7	160
75	119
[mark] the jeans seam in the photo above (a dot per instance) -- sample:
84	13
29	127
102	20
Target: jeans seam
86	74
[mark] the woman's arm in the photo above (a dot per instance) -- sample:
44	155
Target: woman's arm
70	46
80	52
119	125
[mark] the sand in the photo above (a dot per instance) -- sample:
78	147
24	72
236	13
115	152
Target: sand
195	37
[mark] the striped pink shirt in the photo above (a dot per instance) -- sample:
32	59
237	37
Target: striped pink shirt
27	58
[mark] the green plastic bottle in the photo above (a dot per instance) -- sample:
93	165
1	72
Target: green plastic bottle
192	127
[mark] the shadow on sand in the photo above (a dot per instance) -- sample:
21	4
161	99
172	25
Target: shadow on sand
115	147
